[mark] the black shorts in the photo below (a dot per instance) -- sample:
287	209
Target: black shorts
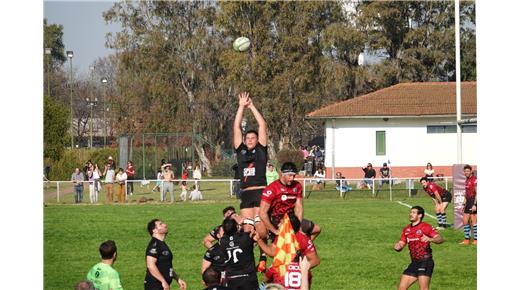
446	197
469	204
246	283
250	198
420	268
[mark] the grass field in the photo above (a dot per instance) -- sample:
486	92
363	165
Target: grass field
355	246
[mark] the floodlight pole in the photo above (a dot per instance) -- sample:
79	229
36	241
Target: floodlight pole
48	52
104	81
70	54
457	73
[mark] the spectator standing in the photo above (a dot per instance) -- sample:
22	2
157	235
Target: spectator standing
121	180
271	174
429	171
167	184
159	266
197	175
158	182
96	176
184	185
110	173
304	151
103	275
91	183
130	173
370	174
77	179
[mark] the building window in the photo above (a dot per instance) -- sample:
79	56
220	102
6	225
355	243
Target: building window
380	143
450	129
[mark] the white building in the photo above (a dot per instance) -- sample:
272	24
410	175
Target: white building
407	125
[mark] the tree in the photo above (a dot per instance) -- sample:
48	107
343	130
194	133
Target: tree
56	127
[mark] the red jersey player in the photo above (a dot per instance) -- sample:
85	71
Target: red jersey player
284	196
441	199
470	206
418	236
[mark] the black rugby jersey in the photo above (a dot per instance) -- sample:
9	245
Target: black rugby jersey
159	250
252	165
240	259
217	257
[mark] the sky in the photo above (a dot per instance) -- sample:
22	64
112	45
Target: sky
84	29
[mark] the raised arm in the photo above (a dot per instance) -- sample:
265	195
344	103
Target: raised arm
262	125
243	102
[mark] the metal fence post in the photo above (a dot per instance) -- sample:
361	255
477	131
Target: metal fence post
390	187
230	187
58	190
373	187
304	186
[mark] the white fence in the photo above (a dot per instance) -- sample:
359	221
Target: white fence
63	191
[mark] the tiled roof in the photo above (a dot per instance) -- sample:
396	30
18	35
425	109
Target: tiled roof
405	99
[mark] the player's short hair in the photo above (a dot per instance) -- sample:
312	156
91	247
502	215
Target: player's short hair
151	225
84	285
107	249
420	210
423	178
467	166
273	286
226	209
230	226
252	131
211	276
295	222
289	167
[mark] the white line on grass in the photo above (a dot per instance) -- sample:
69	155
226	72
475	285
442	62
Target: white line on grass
409	206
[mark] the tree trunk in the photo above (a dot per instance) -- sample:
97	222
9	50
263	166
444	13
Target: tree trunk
203	158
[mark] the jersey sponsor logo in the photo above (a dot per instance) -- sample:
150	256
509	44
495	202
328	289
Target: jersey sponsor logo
249	171
295	190
165	253
153	251
243	152
284	197
418	232
231	244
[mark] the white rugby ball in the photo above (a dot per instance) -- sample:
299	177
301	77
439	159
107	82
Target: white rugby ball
241	44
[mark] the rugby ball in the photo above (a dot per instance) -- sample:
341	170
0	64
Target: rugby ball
241	44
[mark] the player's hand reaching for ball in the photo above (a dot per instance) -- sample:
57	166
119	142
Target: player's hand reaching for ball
244	100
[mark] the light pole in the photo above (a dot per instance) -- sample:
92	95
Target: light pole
48	52
70	55
104	82
91	103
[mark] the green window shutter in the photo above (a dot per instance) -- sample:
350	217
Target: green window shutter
380	142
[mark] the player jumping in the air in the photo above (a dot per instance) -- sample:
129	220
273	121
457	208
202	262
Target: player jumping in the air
418	235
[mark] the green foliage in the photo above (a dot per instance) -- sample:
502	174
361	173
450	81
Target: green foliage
62	169
53	39
290	155
223	168
55	128
355	246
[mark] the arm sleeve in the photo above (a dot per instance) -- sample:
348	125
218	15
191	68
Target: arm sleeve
152	251
430	231
267	195
115	282
403	237
214	232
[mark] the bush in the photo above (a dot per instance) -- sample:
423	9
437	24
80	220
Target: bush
223	168
290	155
62	169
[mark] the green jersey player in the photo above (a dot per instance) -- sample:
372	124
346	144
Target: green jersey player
102	274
